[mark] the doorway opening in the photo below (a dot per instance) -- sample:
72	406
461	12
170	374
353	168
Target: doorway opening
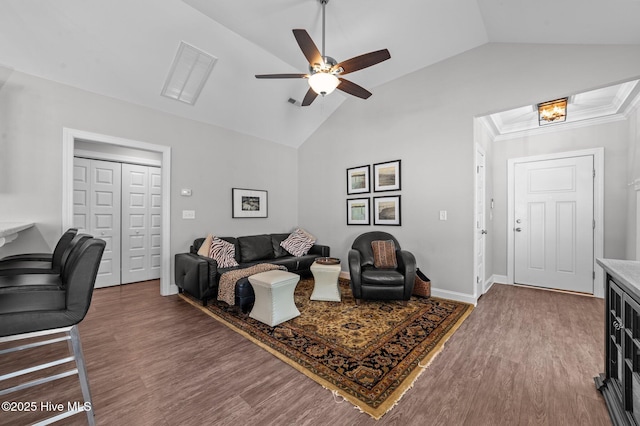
70	137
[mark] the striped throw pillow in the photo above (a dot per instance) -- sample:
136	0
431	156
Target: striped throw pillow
223	252
384	254
298	243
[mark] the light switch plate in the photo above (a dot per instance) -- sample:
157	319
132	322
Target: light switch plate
443	215
188	214
185	192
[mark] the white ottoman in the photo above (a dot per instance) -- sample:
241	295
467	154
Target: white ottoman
274	296
325	282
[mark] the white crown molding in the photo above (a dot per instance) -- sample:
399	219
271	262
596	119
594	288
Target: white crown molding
553	128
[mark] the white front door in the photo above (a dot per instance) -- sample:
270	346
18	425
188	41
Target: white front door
480	230
553	231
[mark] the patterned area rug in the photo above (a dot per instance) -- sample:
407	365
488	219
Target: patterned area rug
369	354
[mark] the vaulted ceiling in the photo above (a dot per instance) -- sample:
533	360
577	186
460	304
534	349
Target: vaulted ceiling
124	48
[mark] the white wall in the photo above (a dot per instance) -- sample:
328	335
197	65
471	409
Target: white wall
426	120
633	183
208	159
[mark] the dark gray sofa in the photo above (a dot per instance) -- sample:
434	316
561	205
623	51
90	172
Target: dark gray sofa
199	275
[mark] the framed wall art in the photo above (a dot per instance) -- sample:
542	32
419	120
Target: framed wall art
358	211
386	210
248	203
358	180
386	176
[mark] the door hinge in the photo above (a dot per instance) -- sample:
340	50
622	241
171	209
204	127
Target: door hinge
594	275
477	280
594	224
594	173
477	169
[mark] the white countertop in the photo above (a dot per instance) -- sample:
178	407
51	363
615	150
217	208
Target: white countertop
9	230
626	272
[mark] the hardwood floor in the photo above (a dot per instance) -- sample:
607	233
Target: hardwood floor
523	357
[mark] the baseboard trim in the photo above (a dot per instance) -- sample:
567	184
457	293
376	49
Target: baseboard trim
502	279
488	284
436	292
454	295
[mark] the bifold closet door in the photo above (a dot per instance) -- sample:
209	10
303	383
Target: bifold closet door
155	222
96	211
140	223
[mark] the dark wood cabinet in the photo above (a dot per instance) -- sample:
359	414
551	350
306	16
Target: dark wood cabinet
620	383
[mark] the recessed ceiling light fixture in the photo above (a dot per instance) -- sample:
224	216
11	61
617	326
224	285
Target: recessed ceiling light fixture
552	111
189	72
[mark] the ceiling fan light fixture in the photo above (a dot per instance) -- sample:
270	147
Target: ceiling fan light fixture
323	83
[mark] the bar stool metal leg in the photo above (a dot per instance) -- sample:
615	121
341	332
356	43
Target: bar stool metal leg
72	337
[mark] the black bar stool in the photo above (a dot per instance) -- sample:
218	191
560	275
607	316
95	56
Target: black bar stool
35	305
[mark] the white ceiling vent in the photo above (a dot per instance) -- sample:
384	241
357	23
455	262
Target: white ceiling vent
188	74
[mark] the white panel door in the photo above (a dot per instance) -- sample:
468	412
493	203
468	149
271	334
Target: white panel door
155	222
554	223
105	193
141	223
82	195
135	223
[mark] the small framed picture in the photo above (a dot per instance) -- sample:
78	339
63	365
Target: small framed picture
386	176
358	179
248	203
358	211
386	210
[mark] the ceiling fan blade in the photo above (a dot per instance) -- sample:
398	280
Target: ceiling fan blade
309	97
282	75
308	47
353	89
363	61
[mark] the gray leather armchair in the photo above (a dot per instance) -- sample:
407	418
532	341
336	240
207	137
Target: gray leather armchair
369	282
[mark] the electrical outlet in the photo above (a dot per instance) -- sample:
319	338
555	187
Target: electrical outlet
443	215
188	214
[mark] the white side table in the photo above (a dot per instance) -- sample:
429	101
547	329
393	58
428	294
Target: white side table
325	282
274	302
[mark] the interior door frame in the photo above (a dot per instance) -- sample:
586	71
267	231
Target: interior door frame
598	210
479	288
69	136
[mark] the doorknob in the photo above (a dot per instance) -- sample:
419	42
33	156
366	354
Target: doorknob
483	232
518	221
518	229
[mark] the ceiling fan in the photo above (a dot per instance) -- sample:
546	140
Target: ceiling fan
324	71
